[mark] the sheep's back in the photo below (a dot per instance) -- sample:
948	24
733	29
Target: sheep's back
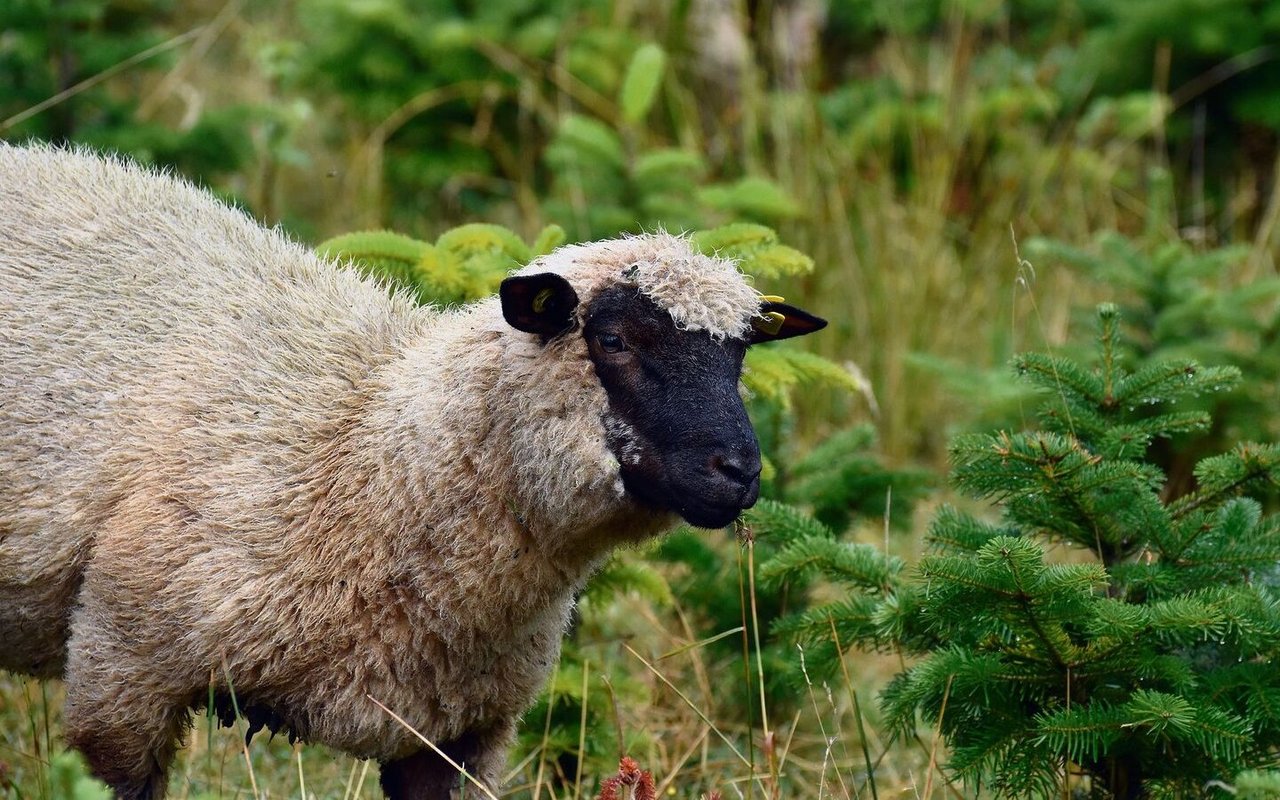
150	334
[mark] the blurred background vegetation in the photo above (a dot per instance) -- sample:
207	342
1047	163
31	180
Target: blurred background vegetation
968	176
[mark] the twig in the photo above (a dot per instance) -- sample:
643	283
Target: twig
483	789
690	704
94	80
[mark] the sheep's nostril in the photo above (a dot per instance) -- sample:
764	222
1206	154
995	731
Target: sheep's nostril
742	470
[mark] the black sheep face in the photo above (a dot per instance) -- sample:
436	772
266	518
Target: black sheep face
676	422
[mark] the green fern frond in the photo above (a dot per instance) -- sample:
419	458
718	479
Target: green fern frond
548	239
736	237
483	239
752	197
772	373
440	278
383	254
641	81
755	248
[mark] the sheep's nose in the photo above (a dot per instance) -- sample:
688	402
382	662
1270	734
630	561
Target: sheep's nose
742	468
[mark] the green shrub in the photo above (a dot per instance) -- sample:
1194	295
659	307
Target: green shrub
1142	660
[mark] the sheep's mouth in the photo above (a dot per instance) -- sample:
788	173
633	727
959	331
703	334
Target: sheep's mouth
701	495
710	515
702	509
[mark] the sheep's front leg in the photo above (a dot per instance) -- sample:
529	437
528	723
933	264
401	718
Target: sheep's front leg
127	704
126	725
426	776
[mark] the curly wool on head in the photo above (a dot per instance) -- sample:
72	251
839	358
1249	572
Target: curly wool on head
701	292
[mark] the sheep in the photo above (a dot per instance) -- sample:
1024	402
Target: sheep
230	466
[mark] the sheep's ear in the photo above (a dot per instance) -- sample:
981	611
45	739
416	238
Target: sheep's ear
541	304
781	321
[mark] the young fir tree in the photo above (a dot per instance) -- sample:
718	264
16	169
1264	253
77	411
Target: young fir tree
1181	301
1144	660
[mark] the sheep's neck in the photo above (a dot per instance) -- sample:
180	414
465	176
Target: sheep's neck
448	454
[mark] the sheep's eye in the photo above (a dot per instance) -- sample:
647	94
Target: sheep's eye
611	343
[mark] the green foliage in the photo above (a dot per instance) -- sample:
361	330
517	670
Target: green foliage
565	115
50	48
844	483
68	778
1255	784
640	85
635	187
755	248
1146	665
465	263
841	480
1181	304
901	181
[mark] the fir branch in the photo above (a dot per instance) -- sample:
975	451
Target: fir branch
1054	640
771	519
1008	760
1108	338
953	529
859	565
1130	440
854	619
1060	375
1220	734
1051	482
1262	707
1035	599
772	373
1226	475
1169	381
1006	465
1115	620
1248	615
1084	732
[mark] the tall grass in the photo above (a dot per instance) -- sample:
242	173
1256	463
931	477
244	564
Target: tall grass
694	748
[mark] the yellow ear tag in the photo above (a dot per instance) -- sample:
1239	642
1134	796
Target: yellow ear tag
541	298
771	298
769	322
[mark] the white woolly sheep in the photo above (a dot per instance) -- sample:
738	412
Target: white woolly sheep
226	461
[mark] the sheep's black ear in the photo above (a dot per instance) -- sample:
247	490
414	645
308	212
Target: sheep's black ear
541	304
781	321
